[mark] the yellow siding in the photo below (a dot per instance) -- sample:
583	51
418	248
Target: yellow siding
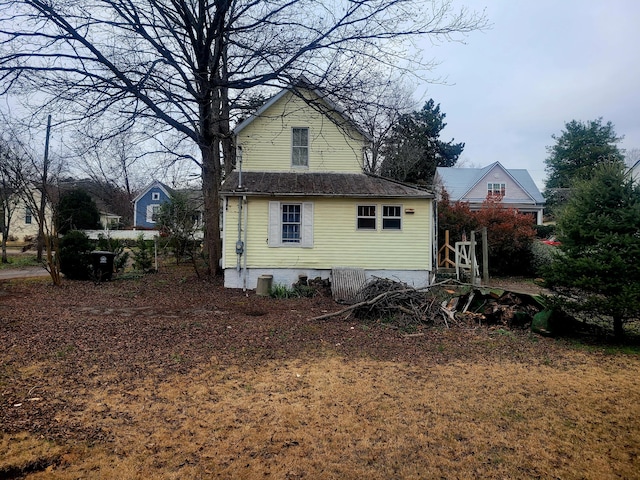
266	141
337	242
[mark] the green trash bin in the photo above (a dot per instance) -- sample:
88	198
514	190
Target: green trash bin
102	264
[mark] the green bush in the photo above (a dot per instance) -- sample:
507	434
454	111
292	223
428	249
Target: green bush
143	254
545	231
75	259
117	247
297	291
542	255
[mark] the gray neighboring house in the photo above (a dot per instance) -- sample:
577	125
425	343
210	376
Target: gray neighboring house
474	185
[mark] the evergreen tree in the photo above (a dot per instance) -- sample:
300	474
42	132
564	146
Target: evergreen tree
580	148
414	149
76	210
598	270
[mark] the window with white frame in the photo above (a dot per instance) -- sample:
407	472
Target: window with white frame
28	216
366	218
391	217
155	196
496	189
152	213
300	147
290	224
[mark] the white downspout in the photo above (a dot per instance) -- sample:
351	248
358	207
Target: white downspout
239	244
246	220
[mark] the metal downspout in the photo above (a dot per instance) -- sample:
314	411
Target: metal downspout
246	220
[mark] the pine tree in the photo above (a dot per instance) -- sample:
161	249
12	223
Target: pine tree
598	269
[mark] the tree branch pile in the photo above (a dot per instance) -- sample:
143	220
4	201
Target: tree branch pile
394	303
402	306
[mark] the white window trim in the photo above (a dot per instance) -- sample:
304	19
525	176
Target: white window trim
301	146
490	191
149	212
375	217
155	196
399	207
275	225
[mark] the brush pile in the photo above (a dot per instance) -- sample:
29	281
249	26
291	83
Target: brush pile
401	306
385	299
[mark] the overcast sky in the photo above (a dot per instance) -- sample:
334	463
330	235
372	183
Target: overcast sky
542	63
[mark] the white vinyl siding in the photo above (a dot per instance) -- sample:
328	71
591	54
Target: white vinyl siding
290	224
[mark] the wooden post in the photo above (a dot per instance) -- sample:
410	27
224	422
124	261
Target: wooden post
485	257
446	250
472	255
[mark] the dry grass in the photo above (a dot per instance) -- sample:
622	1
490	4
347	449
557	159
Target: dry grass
325	417
110	382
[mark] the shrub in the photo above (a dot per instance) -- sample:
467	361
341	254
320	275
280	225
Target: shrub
297	291
143	254
542	255
510	234
75	260
545	231
117	247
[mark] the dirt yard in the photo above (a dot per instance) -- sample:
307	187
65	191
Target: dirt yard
169	377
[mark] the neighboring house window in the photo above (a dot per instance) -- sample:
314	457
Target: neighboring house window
290	224
391	217
152	213
366	217
155	196
300	147
28	216
496	189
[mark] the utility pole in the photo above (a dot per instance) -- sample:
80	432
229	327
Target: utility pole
43	192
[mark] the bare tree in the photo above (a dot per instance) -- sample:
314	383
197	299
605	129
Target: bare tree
631	156
182	64
9	190
34	179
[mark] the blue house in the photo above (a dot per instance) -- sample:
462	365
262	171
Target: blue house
147	204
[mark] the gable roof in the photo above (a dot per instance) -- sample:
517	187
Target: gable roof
460	181
320	184
296	88
167	190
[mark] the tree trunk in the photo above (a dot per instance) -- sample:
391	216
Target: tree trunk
210	189
618	331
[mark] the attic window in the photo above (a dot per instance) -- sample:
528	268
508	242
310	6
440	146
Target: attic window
300	147
496	189
155	196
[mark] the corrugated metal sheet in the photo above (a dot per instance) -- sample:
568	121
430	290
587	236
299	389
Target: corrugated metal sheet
346	284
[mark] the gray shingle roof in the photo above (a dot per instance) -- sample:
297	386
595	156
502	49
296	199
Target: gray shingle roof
320	184
459	181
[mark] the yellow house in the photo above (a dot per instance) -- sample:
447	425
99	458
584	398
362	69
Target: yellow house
299	203
24	218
